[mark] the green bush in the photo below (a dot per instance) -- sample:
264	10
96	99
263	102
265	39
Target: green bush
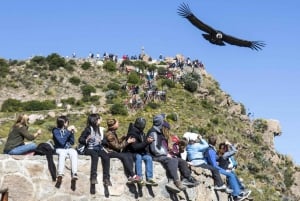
55	61
11	105
4	70
153	105
35	105
110	66
70	101
69	67
75	80
191	86
168	82
40	60
86	65
133	78
113	86
87	90
118	108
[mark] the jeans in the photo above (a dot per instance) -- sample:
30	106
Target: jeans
139	158
23	149
105	161
233	182
62	154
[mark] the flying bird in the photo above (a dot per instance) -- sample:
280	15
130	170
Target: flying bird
215	36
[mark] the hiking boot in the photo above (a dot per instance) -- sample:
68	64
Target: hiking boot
107	182
151	182
73	184
179	185
94	180
74	176
220	188
58	181
191	182
171	187
93	189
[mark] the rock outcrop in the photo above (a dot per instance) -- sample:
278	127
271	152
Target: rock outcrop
28	178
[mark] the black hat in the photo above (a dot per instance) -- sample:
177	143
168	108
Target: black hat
140	123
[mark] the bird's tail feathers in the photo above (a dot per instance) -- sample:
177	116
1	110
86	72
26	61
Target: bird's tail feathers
184	10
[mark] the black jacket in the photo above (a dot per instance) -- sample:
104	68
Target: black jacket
140	145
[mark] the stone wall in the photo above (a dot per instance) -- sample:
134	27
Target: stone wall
28	179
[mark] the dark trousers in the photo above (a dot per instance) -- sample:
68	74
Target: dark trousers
105	160
170	164
215	174
184	169
127	161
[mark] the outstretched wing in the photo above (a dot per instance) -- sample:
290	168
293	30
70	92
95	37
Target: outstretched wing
255	45
185	11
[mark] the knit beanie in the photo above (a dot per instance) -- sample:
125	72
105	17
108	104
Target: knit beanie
111	122
158	120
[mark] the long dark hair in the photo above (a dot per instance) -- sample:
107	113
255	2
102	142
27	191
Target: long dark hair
92	121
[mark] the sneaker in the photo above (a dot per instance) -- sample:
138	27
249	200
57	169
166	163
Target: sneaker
58	181
239	198
220	188
107	182
179	185
151	182
228	190
141	182
133	179
74	176
245	193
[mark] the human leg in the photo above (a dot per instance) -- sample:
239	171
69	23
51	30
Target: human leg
215	174
138	165
74	162
105	161
23	149
233	183
94	164
62	154
148	165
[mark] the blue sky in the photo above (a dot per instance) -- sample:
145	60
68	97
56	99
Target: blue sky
266	81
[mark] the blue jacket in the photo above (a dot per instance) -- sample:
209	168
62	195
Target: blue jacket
63	138
212	157
195	152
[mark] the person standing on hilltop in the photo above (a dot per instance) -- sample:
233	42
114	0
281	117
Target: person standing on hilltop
15	144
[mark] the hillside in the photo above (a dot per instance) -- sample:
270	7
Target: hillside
77	86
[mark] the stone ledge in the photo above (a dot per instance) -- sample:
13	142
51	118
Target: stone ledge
28	178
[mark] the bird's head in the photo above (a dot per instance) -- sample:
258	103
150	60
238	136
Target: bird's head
219	35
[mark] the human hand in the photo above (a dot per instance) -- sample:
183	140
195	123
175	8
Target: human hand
150	139
72	129
130	140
